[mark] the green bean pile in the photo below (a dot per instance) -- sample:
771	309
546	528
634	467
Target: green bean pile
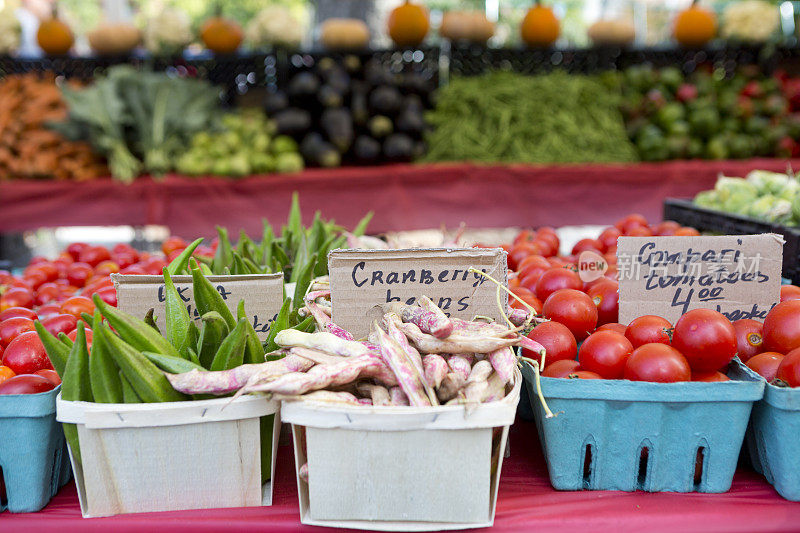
503	117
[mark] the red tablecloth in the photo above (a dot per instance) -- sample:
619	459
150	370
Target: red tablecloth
404	197
526	502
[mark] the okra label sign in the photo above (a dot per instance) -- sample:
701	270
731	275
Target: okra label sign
363	280
262	295
737	275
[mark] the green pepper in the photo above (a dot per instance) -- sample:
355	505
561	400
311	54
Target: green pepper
254	351
103	372
207	298
76	386
231	351
177	317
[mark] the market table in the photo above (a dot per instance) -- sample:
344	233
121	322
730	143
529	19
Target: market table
526	503
403	197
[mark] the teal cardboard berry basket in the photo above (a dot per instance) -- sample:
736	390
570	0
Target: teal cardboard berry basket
33	453
656	437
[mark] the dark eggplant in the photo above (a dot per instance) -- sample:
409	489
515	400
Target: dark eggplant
303	85
385	100
380	126
377	74
339	80
358	104
329	97
316	151
352	63
275	101
411	121
398	147
366	148
292	121
338	127
420	149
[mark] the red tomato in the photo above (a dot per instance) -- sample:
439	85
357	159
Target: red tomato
25	354
173	243
587	244
558	341
706	339
532	278
709	377
105	268
605	352
782	327
94	255
525	235
613	326
95	284
638	231
16	297
790	292
631	221
79	273
154	266
555	279
533	261
108	295
686	232
658	363
789	369
647	329
206	251
60	324
47	292
76	305
12	328
19	283
76	248
89	335
123	260
31	384
748	338
49	375
48	270
608	237
6	373
560	369
48	309
17	311
520	252
125	249
35	279
605	295
574	309
583	374
548	242
666	228
134	269
766	364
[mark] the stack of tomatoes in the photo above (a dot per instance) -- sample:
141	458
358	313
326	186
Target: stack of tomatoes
56	292
773	348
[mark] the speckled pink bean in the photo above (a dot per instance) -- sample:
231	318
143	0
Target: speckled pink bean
325	323
530	344
303	472
435	368
313	295
459	364
431	321
398	397
518	316
504	362
407	376
319	377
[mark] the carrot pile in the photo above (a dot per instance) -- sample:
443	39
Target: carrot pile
28	150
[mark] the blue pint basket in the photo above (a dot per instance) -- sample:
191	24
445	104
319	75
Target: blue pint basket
631	435
33	452
773	438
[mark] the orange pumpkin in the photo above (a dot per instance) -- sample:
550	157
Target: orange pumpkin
540	26
54	36
695	26
408	24
221	35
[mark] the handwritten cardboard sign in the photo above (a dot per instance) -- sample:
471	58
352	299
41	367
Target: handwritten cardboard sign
737	275
362	280
262	294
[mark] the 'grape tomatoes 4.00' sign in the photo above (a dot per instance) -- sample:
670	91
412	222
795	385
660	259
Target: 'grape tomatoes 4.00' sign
363	280
737	275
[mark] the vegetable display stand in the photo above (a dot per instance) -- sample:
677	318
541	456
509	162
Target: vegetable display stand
655	437
772	438
400	468
33	454
172	456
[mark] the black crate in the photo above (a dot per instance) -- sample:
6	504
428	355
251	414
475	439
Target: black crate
686	213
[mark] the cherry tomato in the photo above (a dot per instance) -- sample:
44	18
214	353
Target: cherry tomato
78	273
520	252
605	295
638	231
207	251
548	243
748	338
706	339
76	248
123	247
89	335
154	266
666	228
608	237
525	235
631	221
605	352
94	255
62	323
47	292
782	327
134	270
533	261
766	364
31	384
658	363
686	232
48	309
12	328
709	377
95	284
35	279
48	270
647	329
124	260
789	369
6	373
532	278
76	305
49	375
104	268
25	354
555	279
613	326
587	244
173	243
790	292
108	295
560	369
17	311
16	297
574	309
583	374
558	341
